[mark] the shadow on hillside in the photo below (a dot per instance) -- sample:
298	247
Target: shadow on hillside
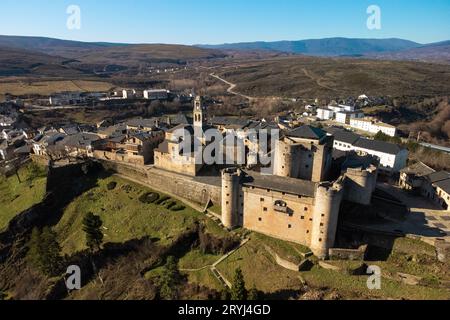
63	185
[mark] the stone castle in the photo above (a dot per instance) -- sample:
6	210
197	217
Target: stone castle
299	201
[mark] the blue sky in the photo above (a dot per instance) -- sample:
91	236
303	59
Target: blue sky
220	21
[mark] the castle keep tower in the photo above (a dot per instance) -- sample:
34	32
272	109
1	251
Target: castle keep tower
325	217
231	178
304	153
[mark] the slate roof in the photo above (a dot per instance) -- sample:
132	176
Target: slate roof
344	135
229	121
444	185
306	132
79	140
418	169
380	146
281	184
438	176
141	123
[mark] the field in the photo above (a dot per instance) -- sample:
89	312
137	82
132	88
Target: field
22	86
17	196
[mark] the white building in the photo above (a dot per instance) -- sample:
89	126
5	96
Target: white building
325	114
373	126
156	94
392	157
66	98
128	94
345	117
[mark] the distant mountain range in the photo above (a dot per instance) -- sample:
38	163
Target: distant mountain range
397	49
52	57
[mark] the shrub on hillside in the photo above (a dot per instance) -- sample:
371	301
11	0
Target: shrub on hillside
178	207
162	199
112	185
150	197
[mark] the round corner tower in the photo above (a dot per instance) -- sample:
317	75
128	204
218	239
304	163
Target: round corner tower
230	197
325	217
285	154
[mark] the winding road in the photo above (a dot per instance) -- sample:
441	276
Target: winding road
231	88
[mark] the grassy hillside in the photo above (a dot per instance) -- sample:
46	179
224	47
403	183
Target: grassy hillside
124	216
19	195
323	77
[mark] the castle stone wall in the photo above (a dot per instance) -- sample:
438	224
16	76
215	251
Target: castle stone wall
189	188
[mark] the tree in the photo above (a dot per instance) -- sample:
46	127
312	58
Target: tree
253	294
225	295
169	279
94	235
238	291
44	251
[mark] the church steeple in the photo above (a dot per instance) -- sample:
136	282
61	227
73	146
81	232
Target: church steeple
198	114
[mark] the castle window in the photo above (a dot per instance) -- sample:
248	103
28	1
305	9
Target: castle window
321	224
228	202
306	208
307	231
289	226
228	194
262	199
259	219
265	209
323	215
302	218
320	240
310	219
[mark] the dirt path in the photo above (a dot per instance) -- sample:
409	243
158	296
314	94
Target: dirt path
317	80
232	87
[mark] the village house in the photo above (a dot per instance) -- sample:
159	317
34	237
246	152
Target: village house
436	187
412	178
373	126
66	98
156	94
132	147
42	142
79	144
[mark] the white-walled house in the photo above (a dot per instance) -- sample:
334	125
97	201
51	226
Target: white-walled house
393	158
373	126
156	94
345	117
128	94
325	114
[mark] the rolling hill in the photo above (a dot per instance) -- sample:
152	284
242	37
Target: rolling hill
435	52
54	57
311	77
324	47
20	62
